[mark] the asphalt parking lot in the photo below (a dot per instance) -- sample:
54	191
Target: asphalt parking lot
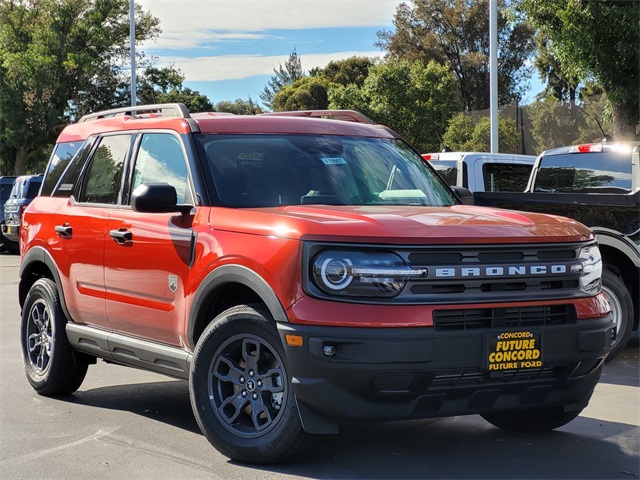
126	423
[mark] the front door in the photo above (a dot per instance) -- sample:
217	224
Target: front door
147	255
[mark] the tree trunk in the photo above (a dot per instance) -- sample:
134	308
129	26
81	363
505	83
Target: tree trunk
625	125
22	155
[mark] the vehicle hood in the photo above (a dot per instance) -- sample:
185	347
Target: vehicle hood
459	224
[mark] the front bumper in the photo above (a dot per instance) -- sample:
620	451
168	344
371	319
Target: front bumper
403	373
11	231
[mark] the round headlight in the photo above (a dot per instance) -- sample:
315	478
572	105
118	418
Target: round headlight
335	273
365	274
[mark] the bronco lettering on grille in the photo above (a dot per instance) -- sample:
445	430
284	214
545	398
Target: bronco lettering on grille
501	271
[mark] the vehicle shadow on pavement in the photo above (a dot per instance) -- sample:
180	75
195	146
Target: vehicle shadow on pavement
166	402
456	447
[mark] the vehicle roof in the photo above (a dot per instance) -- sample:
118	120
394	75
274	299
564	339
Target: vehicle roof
606	147
222	123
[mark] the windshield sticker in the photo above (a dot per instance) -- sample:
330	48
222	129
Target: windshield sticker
334	161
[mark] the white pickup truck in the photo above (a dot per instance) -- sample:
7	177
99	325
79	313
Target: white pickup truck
483	172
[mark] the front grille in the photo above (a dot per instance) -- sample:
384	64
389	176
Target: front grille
474	318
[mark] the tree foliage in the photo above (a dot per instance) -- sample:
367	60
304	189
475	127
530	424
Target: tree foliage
239	107
308	93
312	92
556	124
54	55
164	85
456	33
282	76
468	135
416	100
599	41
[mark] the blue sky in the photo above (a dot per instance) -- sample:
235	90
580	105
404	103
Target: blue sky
227	49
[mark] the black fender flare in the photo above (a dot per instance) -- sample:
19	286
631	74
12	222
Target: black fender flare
618	242
233	274
40	255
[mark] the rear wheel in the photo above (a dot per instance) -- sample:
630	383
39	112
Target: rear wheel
539	420
49	363
241	390
619	298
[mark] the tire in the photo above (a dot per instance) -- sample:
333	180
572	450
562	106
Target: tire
540	420
49	363
621	304
240	389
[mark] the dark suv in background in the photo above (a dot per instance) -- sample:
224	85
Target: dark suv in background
25	188
6	182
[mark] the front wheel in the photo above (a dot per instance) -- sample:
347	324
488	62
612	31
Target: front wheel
240	389
619	298
48	358
539	420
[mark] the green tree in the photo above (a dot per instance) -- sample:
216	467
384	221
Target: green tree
238	107
456	33
557	124
599	41
311	93
54	54
352	70
469	135
415	100
561	85
164	85
282	76
308	93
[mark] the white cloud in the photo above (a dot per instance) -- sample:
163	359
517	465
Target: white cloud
188	23
213	68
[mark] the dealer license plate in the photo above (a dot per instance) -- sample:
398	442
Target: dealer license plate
520	350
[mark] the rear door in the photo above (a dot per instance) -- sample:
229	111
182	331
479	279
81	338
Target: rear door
77	243
147	255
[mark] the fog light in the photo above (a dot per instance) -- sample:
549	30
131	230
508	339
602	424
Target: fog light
329	350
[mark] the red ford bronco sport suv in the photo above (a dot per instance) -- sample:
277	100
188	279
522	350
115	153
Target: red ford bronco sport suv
301	273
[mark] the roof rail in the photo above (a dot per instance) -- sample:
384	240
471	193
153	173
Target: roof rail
178	110
346	115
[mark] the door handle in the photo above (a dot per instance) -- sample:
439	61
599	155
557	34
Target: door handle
63	230
121	236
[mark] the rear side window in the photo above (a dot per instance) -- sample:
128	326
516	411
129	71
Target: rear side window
505	177
596	172
60	158
104	175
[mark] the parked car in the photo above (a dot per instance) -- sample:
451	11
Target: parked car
6	182
302	273
25	188
483	172
597	184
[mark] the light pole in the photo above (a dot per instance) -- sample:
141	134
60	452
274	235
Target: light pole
132	34
493	74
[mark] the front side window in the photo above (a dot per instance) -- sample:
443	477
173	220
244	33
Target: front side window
104	175
160	159
273	170
597	172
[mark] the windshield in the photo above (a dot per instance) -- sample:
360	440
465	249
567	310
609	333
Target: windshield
599	172
272	170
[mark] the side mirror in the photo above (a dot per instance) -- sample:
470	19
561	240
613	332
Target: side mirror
157	198
464	195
